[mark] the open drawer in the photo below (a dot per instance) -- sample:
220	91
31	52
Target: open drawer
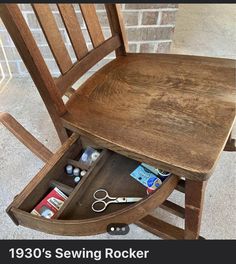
111	171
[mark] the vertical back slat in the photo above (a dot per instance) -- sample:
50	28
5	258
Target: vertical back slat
53	36
73	28
92	23
116	23
29	52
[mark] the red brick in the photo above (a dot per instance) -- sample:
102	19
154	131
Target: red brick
149	6
168	18
136	34
132	47
130	18
147	47
163	47
149	18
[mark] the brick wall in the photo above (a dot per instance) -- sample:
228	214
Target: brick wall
149	28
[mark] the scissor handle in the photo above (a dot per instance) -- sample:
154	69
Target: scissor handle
103	206
102	193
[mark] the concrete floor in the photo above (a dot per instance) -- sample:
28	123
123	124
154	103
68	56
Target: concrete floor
18	166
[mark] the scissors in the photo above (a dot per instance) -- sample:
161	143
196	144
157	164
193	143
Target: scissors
101	195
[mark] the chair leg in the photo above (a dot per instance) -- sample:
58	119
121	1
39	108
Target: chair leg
194	196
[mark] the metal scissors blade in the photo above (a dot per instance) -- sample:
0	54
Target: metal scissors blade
128	199
101	195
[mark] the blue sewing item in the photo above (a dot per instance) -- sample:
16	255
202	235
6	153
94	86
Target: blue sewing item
158	172
144	176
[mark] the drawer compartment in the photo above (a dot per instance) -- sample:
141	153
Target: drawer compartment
111	171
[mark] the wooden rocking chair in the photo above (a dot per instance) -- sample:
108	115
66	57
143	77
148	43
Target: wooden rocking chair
174	112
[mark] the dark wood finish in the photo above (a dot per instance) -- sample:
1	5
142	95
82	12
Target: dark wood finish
165	102
112	176
173	208
39	185
81	188
78	164
25	137
110	171
82	66
92	23
194	197
181	107
29	52
160	228
53	36
181	186
230	144
69	92
73	28
61	186
99	224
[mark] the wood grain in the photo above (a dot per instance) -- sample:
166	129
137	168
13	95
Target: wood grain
230	144
62	187
174	112
53	36
30	54
116	23
92	23
98	224
160	228
173	208
176	105
25	137
73	28
39	185
181	186
82	66
194	198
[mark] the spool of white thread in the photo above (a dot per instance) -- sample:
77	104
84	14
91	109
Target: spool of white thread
76	172
69	169
95	155
77	179
82	173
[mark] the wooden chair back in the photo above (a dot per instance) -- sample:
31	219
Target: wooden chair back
52	89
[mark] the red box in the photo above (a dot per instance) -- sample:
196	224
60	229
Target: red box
50	205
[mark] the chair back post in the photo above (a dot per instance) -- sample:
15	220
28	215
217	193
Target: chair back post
52	89
31	56
116	22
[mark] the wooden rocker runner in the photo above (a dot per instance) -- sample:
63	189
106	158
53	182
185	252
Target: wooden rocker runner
174	112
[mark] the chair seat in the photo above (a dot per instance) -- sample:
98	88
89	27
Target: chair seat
172	111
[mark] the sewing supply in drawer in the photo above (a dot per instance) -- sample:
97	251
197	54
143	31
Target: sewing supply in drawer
50	205
76	172
102	200
69	169
88	157
144	176
160	173
153	185
82	173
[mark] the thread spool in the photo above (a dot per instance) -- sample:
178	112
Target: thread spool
77	179
164	173
153	185
82	173
76	172
69	169
95	155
